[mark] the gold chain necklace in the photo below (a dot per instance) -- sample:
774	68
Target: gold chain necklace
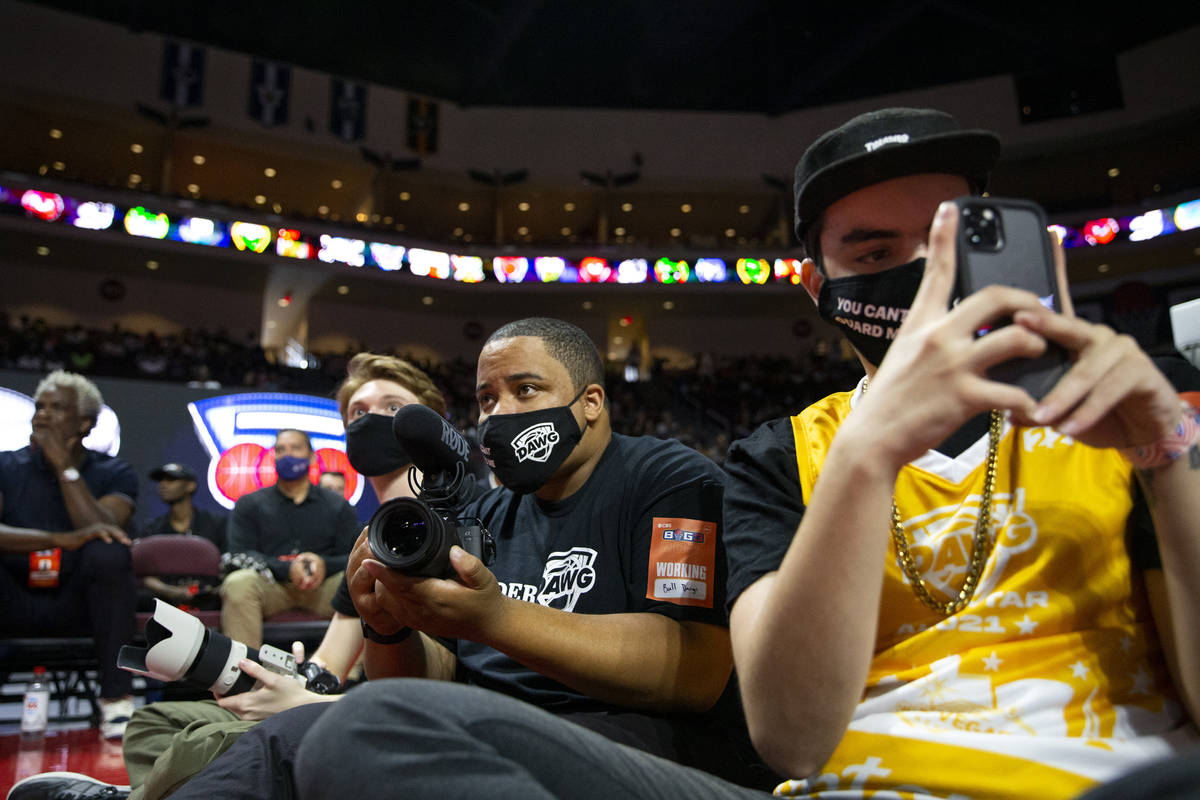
981	546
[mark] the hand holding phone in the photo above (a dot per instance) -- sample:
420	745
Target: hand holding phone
1005	241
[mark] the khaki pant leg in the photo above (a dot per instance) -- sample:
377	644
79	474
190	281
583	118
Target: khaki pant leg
192	749
319	600
246	599
153	727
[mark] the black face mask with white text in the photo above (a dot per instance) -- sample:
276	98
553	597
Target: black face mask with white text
869	308
525	450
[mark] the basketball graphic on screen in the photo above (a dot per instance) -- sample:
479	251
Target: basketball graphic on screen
237	470
330	459
238	431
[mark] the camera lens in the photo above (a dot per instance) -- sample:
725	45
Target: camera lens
405	533
409	536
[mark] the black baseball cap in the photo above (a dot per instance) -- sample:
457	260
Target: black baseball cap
885	144
174	472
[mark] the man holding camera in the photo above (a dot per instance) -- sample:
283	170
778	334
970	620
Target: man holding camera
603	605
305	534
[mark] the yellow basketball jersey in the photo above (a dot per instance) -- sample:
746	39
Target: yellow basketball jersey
1051	679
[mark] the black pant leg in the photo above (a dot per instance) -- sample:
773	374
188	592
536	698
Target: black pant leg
417	739
109	592
1176	778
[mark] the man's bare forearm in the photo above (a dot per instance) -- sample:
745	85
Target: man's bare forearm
823	600
24	540
638	659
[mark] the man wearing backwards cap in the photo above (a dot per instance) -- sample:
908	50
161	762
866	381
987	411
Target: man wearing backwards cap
1047	673
1050	678
176	487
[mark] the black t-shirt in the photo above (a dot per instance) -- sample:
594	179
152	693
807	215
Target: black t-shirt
267	521
641	535
205	524
764	504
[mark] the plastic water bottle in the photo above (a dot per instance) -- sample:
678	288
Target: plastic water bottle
36	709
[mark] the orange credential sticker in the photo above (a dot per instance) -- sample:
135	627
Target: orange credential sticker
683	558
43	568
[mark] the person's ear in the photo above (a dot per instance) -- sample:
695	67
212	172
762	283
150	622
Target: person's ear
811	278
593	402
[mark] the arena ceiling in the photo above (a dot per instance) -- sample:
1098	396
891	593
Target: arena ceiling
768	56
764	56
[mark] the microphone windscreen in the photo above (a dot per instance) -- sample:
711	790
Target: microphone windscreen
432	442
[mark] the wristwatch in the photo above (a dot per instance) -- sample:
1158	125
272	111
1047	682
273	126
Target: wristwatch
377	637
70	474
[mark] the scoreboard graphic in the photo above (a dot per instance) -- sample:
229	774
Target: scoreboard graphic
238	432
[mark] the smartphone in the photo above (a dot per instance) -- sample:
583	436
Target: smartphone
1005	241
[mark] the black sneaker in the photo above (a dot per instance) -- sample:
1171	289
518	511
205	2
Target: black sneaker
65	786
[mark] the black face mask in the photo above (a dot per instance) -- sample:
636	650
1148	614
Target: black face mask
525	450
870	308
372	447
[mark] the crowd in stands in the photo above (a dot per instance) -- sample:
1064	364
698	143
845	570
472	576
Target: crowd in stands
719	400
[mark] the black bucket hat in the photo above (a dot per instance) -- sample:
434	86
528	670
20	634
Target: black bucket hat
885	144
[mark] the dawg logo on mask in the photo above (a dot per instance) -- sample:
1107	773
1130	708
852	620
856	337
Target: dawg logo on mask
536	442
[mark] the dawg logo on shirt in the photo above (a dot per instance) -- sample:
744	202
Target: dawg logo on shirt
536	442
567	576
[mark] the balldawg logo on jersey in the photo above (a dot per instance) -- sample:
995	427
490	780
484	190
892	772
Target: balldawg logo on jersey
568	575
536	442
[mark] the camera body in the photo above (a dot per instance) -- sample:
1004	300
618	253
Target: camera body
1005	241
414	537
180	648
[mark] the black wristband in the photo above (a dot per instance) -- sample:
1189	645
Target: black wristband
377	637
